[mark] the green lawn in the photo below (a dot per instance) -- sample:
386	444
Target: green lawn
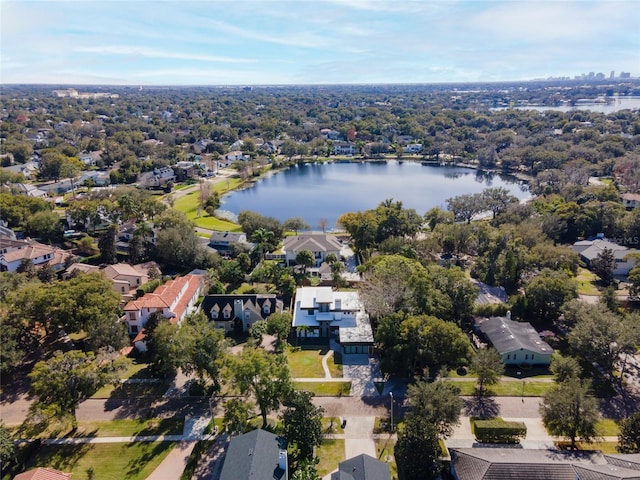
335	365
608	428
109	461
132	390
384	450
306	362
325	389
188	204
604	447
128	427
227	185
531	388
587	282
326	425
330	453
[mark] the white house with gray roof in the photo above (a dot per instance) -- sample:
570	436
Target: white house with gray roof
588	250
320	244
324	313
517	343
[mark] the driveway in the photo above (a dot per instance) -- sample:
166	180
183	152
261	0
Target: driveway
361	370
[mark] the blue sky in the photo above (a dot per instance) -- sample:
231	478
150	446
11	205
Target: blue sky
219	42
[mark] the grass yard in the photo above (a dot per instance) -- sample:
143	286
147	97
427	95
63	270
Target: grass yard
325	389
327	428
604	447
608	428
306	362
587	282
531	388
330	453
335	365
188	204
129	428
132	390
109	461
384	450
227	185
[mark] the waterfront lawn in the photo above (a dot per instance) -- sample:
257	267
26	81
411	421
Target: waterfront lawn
325	389
188	204
109	461
330	453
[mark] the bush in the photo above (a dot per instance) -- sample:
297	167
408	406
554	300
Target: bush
497	430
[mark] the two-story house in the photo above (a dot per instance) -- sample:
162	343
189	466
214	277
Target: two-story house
174	299
125	277
324	313
16	251
239	312
320	244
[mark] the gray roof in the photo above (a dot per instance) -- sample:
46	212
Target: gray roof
363	467
360	332
605	472
626	460
516	464
590	249
314	242
508	336
254	456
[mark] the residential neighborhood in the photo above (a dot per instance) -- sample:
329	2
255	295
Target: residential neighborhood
152	330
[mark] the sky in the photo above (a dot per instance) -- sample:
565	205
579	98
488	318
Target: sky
258	42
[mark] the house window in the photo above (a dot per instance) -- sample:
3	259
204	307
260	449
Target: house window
134	328
508	356
227	314
310	312
132	316
214	315
515	356
122	289
526	357
324	307
137	281
532	356
266	309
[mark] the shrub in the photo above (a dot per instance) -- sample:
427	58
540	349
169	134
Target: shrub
497	430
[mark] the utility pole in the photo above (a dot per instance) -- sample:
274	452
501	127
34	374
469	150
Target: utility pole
391	399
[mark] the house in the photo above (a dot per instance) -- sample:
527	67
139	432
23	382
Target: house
630	200
185	170
517	343
222	241
174	299
320	244
344	148
42	473
94	177
236	155
362	467
58	188
28	170
159	177
234	311
322	312
125	277
28	189
38	253
257	455
588	250
414	148
91	158
531	464
79	267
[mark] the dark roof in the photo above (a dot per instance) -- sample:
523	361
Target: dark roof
254	456
516	464
626	460
255	302
507	336
363	467
605	472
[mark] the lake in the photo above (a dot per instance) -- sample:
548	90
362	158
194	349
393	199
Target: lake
615	104
327	190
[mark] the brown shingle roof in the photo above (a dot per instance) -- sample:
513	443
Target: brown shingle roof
42	473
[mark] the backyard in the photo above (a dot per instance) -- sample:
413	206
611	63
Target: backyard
306	362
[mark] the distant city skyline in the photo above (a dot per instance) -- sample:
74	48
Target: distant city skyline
247	42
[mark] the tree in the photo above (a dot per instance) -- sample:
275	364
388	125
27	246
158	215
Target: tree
264	375
296	224
467	206
236	416
107	245
629	436
634	280
7	448
252	221
45	225
323	223
437	402
202	349
302	425
306	470
437	216
162	348
547	292
417	450
569	410
279	324
497	199
564	368
487	365
604	265
305	259
67	379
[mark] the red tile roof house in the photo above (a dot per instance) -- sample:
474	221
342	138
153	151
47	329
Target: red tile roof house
38	253
42	473
175	300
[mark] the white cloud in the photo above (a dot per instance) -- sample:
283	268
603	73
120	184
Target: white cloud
155	53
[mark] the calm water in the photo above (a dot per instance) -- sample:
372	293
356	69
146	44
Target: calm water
326	191
617	104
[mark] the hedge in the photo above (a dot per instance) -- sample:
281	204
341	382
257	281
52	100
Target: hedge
497	430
